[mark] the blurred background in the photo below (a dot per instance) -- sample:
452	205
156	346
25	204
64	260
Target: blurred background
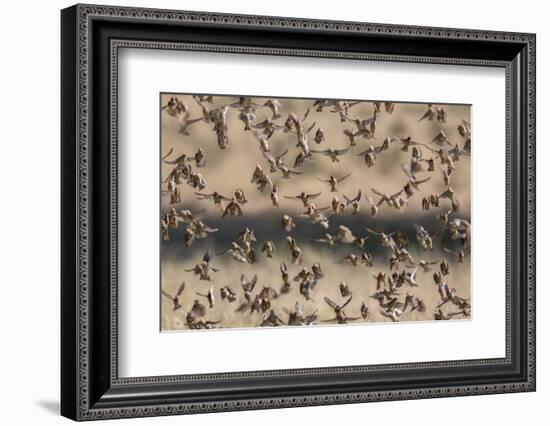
232	168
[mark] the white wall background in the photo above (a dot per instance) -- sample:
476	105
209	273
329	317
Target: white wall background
29	236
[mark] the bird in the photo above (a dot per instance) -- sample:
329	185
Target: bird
179	161
319	136
385	239
441	139
304	197
440	315
435	113
200	158
374	206
175	298
364	310
197	180
395	309
367	259
197	230
396	200
248	285
444	267
370	154
380	280
287	173
460	254
316	216
275	106
296	315
345	235
423	264
187	216
317	272
284	162
306	288
388	106
414	185
271	320
180	112
333	181
268	127
423	237
275	162
344	289
236	252
328	239
215	196
197	310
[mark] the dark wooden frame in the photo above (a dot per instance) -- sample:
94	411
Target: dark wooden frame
90	386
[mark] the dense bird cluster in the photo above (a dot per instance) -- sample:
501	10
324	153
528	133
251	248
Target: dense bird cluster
393	288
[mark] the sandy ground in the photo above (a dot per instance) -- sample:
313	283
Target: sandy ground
232	168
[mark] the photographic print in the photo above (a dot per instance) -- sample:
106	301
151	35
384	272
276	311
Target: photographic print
304	212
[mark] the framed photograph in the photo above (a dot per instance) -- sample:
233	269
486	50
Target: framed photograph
263	212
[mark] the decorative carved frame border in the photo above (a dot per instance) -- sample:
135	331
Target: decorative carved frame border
85	14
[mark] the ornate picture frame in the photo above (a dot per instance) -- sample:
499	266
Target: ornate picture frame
91	37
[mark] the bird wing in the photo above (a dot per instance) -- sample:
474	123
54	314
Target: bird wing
397	193
331	303
377	192
164	293
407	170
418	182
180	289
344	177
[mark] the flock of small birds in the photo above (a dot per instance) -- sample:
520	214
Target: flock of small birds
393	288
